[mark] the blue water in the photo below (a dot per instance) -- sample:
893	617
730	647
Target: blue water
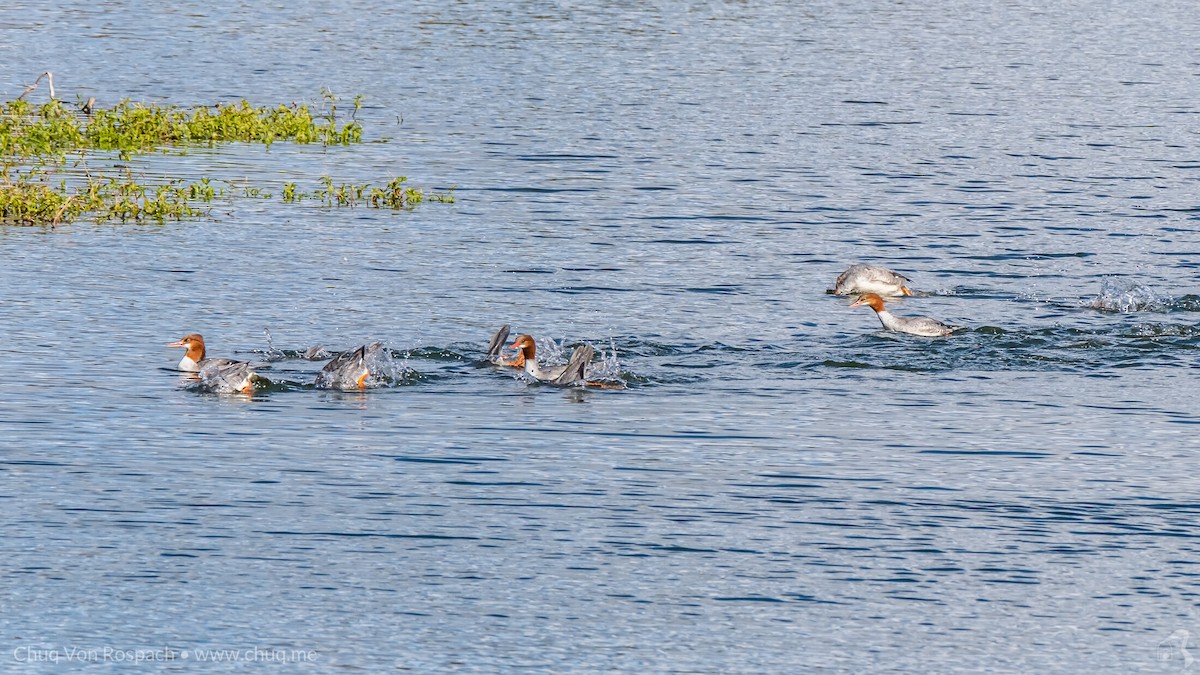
781	487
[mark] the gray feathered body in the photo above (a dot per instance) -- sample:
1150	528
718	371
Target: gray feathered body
564	376
347	369
915	325
861	278
225	376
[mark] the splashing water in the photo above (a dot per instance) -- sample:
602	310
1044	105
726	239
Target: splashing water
389	371
551	353
608	368
272	354
363	368
1129	296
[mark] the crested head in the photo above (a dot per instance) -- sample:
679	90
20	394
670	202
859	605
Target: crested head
874	300
526	345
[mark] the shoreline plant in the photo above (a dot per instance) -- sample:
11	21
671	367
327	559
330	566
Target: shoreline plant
37	142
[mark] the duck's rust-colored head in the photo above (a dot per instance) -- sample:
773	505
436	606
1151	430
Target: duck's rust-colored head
527	347
194	344
874	300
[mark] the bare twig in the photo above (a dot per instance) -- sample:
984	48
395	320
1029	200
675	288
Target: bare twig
61	209
30	87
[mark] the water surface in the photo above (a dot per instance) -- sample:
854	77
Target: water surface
782	487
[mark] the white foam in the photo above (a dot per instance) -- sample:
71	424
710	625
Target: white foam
1125	296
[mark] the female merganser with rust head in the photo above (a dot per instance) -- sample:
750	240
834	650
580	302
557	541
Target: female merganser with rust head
495	349
350	369
870	279
917	325
220	375
564	376
194	344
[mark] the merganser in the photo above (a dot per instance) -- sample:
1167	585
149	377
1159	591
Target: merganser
220	375
917	325
229	377
350	369
861	278
564	376
496	346
194	344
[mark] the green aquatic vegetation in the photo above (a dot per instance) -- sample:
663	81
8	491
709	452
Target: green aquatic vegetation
39	184
345	194
204	190
31	198
126	200
395	195
131	127
53	128
50	129
34	201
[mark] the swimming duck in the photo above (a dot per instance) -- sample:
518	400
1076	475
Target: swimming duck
496	346
220	375
194	344
861	278
350	369
564	376
917	325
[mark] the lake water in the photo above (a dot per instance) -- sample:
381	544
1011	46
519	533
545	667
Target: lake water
781	488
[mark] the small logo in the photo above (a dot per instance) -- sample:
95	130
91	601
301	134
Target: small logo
1175	648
